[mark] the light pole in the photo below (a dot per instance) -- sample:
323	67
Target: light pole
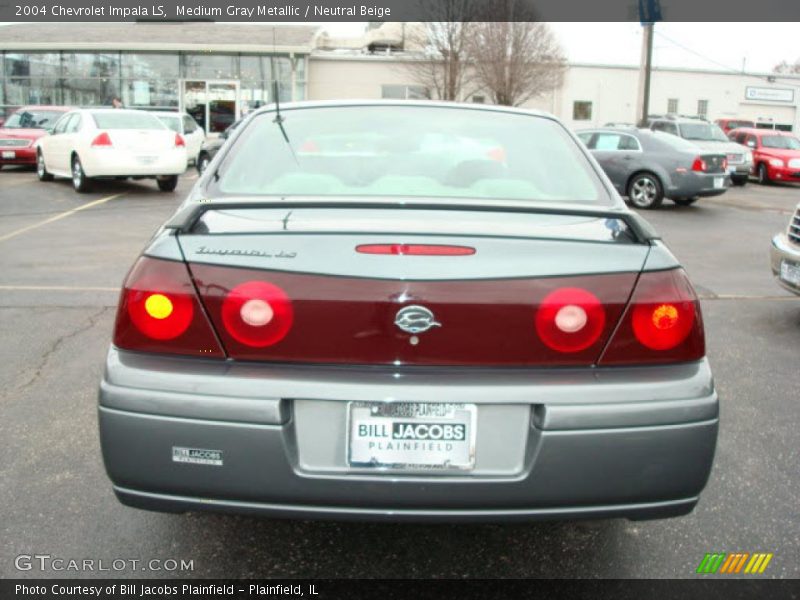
649	13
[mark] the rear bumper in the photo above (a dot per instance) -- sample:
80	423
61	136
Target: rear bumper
636	442
116	163
783	250
691	184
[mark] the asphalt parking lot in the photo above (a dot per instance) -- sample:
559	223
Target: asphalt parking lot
62	259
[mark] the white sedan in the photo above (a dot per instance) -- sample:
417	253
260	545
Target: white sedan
183	123
111	143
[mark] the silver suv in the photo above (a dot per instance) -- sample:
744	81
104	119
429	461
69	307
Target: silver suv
709	136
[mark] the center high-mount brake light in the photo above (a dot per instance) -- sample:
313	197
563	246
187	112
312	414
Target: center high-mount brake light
570	319
415	249
103	140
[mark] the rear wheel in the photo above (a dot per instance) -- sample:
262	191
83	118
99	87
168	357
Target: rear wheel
763	174
167	184
684	201
645	191
80	182
41	169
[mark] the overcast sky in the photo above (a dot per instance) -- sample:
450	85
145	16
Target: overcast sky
756	46
694	45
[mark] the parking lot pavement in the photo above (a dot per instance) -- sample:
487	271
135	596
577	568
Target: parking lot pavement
58	285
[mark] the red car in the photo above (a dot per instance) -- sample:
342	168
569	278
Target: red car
776	154
728	125
22	128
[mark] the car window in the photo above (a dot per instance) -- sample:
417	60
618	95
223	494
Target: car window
174	123
780	142
607	141
628	142
74	123
126	120
751	141
189	124
673	141
62	123
666	127
416	151
702	131
32	119
586	138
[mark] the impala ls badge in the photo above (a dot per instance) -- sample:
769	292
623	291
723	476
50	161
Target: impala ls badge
415	319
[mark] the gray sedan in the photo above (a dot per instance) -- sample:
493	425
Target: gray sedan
649	166
407	311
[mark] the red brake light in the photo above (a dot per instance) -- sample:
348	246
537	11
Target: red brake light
699	165
257	314
159	312
570	319
103	140
179	143
415	249
663	322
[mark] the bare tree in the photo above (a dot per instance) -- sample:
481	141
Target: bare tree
442	41
516	60
788	68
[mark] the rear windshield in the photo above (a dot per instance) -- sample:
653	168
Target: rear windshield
702	131
409	151
173	123
780	142
126	120
32	119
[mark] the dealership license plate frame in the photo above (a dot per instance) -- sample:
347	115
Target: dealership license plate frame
790	272
388	412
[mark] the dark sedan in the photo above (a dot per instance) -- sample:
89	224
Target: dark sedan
648	166
211	146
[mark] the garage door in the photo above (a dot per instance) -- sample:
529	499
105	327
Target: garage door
780	115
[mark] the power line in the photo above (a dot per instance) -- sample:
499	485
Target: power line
687	49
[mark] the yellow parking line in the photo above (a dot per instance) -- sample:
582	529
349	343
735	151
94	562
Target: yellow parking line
56	288
57	217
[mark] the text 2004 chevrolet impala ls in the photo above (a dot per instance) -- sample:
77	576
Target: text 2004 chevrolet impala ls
407	311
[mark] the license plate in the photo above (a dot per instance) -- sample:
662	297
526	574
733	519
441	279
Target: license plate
719	182
731	170
9	154
147	160
790	272
411	436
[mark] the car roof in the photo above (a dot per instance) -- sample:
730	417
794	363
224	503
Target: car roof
762	131
44	107
166	113
415	103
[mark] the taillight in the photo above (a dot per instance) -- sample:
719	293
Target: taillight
160	312
103	140
699	164
724	164
179	143
257	314
570	319
663	323
415	249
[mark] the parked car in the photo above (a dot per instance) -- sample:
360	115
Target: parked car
111	143
184	124
728	125
709	137
410	335
776	154
785	255
21	129
211	146
649	166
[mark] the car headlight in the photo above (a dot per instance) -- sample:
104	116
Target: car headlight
776	162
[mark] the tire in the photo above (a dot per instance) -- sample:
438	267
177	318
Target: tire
167	184
80	182
41	169
684	201
645	191
202	162
763	174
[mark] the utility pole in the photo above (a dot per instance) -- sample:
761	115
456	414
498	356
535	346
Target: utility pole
649	13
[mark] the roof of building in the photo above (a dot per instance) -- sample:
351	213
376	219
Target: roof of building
212	37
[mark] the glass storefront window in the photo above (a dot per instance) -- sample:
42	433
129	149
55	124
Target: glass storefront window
89	92
143	93
20	91
90	64
150	66
258	68
210	66
34	64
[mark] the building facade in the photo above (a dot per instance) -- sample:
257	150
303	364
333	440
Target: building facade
217	72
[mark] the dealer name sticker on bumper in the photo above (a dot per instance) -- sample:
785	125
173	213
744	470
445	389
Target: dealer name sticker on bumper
409	436
197	456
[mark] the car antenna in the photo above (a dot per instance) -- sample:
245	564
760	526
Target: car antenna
278	117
